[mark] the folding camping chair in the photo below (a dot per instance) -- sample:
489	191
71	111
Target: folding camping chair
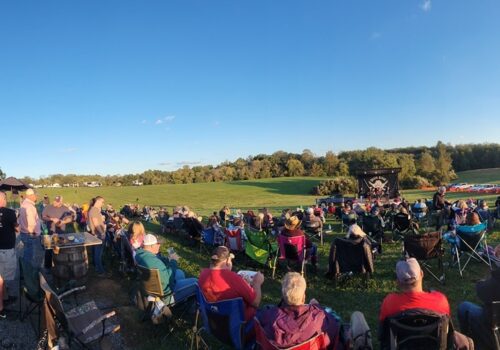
150	285
29	289
347	220
225	320
291	249
234	240
425	247
127	258
317	342
417	329
314	230
402	225
471	241
349	256
207	239
85	323
260	247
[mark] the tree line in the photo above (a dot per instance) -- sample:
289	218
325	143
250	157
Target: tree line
420	166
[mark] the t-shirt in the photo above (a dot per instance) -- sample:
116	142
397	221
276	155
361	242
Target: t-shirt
8	223
165	268
218	285
94	212
56	212
395	303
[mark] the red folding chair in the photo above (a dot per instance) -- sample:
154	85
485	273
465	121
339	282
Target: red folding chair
234	240
317	342
291	248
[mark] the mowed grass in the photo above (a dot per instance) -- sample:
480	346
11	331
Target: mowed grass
275	194
480	176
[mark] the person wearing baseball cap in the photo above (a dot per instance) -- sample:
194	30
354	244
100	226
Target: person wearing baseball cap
173	279
219	283
409	278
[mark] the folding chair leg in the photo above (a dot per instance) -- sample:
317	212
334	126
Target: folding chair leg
275	262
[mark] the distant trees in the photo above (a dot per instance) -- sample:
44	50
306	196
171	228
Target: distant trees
2	175
420	166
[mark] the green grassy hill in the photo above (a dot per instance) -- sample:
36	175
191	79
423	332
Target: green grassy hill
480	176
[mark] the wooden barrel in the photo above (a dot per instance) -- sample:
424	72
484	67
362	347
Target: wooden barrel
70	264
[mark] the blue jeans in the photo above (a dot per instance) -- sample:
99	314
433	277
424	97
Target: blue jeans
184	287
97	252
32	249
473	323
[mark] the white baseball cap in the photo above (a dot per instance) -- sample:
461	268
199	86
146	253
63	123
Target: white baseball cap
150	239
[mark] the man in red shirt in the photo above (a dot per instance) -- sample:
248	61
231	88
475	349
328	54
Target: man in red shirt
220	283
412	296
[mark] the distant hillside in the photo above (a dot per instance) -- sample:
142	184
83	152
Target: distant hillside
480	176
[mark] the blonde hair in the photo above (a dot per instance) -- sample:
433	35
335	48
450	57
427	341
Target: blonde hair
136	229
293	288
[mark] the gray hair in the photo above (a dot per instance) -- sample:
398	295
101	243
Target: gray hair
293	288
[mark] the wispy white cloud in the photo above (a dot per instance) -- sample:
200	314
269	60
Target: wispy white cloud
375	35
183	163
426	5
69	150
167	119
164	163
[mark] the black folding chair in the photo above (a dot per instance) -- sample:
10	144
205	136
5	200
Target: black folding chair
30	291
425	247
402	225
417	329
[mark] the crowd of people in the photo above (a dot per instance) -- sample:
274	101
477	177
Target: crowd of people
291	321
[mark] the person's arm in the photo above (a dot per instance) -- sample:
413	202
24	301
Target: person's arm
257	287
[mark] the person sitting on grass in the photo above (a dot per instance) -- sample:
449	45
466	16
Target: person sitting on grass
219	283
173	280
313	222
412	296
292	229
293	322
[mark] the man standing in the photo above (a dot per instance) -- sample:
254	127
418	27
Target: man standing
439	204
8	263
55	216
97	228
29	225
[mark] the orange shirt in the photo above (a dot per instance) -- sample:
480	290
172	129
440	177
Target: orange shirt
395	303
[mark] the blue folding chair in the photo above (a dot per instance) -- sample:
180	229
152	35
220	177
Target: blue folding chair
225	320
470	241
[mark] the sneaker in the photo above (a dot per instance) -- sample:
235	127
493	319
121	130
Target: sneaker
3	314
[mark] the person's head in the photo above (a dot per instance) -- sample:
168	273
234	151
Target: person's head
442	189
222	258
136	229
3	199
292	223
293	289
31	194
409	275
375	210
310	211
355	231
97	202
58	201
462	205
151	244
472	219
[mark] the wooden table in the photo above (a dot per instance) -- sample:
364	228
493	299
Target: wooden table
82	239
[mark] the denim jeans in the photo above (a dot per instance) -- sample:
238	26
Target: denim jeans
184	287
97	252
32	249
473	323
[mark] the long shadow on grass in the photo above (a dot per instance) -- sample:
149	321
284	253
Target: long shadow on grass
287	187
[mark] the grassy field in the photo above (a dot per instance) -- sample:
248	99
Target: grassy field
481	176
274	194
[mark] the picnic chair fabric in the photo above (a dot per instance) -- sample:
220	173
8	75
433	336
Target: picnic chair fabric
225	320
318	342
470	242
260	247
234	239
425	247
29	290
291	249
349	256
313	230
152	291
402	225
417	329
83	324
372	226
127	254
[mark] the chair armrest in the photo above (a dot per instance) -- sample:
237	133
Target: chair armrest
102	318
71	291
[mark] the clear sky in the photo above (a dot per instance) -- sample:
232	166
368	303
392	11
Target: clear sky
114	87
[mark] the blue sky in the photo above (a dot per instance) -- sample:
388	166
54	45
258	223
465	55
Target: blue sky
114	87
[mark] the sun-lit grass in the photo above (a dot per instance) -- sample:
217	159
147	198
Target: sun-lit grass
275	194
